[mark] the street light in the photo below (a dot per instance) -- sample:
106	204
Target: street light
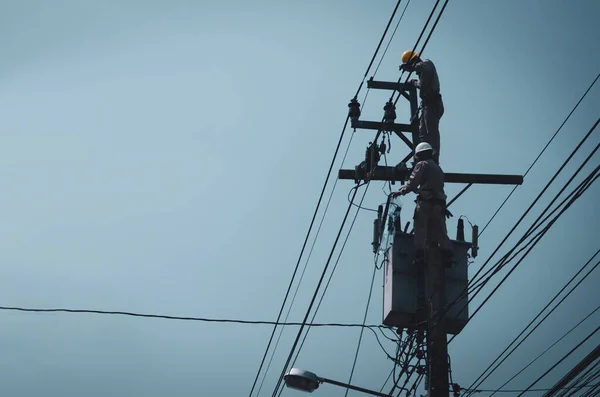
307	381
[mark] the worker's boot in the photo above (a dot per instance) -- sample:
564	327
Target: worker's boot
447	258
419	258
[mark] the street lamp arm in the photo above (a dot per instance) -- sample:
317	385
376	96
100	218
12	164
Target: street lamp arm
334	382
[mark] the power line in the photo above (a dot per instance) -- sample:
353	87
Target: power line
355	188
500	263
527	171
584	379
335	265
182	318
538	197
305	267
403	348
300	256
406	367
331	275
522	391
560	361
542	152
470	287
317	209
327	207
413	50
551	223
576	370
351	201
361	331
481	378
575	195
378	47
551	346
577	192
314	298
391	37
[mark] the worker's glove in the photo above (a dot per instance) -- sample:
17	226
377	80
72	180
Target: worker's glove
448	213
400	192
414	83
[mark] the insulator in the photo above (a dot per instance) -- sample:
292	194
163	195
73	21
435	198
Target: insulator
475	241
354	109
397	220
368	157
390	112
456	389
390	225
375	243
460	230
382	147
373	156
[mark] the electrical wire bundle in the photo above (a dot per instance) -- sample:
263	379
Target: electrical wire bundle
536	231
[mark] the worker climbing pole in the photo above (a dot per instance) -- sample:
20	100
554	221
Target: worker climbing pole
427	251
432	106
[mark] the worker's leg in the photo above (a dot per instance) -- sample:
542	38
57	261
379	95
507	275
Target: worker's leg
439	233
431	119
438	225
422	127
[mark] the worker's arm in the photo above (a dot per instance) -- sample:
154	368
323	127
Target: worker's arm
414	180
425	70
415	177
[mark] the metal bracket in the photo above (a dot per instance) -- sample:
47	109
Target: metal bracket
382	173
397	128
391	86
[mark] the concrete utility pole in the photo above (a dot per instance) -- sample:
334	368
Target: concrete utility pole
435	295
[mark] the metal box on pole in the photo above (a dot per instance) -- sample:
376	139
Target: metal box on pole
404	286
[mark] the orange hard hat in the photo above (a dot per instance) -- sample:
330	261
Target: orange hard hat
408	56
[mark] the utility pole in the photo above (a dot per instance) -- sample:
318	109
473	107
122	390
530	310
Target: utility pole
437	343
425	311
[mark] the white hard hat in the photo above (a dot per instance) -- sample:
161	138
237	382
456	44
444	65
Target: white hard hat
423	146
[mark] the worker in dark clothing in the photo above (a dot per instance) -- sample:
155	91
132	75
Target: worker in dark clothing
431	99
427	180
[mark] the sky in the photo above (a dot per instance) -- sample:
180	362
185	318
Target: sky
166	157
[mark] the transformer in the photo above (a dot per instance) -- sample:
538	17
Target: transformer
404	286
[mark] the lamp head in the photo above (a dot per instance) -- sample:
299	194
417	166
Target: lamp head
301	380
